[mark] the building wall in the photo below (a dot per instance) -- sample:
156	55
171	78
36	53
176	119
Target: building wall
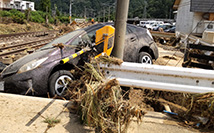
22	5
4	3
1	3
185	18
198	23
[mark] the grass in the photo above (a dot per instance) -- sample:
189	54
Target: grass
51	121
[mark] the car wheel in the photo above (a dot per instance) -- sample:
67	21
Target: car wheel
58	82
145	58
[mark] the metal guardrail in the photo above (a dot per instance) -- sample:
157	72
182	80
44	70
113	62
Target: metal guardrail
163	78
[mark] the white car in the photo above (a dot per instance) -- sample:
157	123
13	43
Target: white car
152	24
142	23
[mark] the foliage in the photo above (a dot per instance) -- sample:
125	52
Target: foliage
37	16
154	8
57	11
27	14
51	20
34	16
93	8
5	14
17	16
45	5
64	19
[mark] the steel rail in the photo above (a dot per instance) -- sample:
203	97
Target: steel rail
25	48
26	33
163	78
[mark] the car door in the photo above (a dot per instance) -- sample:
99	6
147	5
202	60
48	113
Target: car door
131	45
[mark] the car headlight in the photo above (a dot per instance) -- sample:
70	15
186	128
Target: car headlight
32	65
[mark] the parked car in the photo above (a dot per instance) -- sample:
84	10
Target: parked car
141	23
151	24
148	24
171	30
41	71
164	27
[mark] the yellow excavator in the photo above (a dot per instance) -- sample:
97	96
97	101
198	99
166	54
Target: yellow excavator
104	43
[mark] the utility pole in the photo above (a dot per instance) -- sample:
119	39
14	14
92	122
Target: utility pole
70	11
170	13
46	16
145	10
120	27
109	13
104	15
85	13
98	16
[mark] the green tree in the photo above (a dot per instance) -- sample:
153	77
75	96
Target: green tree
45	5
155	8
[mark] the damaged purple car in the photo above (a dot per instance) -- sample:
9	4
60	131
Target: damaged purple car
41	72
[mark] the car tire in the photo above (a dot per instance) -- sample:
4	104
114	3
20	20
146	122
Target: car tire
58	82
145	58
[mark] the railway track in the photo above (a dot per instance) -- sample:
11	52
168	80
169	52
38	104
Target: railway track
4	37
14	46
24	46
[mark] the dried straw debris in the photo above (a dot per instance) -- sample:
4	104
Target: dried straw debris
100	101
202	105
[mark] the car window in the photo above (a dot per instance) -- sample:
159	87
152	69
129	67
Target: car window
63	39
132	28
87	37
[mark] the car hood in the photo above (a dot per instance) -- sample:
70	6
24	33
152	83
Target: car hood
14	67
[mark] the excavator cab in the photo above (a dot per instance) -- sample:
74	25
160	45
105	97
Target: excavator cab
104	42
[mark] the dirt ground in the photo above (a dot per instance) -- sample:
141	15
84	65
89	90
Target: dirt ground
34	27
169	56
20	28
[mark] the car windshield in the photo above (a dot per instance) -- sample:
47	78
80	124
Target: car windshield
63	39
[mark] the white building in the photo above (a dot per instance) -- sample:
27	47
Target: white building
194	16
16	4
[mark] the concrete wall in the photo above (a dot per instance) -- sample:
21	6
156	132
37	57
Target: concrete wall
198	24
184	17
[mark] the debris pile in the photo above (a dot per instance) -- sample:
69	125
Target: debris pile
169	41
99	101
202	105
